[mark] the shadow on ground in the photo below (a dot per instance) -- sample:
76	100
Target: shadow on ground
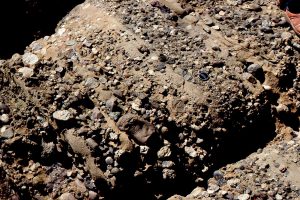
23	21
238	144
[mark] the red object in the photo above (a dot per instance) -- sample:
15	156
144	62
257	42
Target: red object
292	18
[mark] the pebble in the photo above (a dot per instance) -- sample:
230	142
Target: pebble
109	160
26	72
62	115
4	118
282	168
281	108
6	132
212	188
286	36
92	195
196	193
91	143
115	115
203	76
164	130
244	197
208	21
278	197
66	196
111	104
191	151
30	59
169	174
115	170
218	175
61	31
254	69
164	152
266	87
71	43
216	27
48	148
113	136
167	164
144	149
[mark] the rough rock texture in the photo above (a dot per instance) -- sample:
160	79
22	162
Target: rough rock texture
147	99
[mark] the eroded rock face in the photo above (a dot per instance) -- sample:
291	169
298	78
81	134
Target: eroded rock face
136	99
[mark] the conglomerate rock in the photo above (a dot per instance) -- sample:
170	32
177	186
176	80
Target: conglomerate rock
144	99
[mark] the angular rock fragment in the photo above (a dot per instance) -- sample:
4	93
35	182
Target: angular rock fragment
138	128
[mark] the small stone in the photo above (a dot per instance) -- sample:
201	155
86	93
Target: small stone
115	115
216	27
266	87
254	68
206	29
167	164
92	195
66	196
71	173
109	160
111	104
218	175
286	36
264	186
113	136
164	130
164	152
115	170
26	72
61	31
208	21
203	76
281	108
191	152
282	168
196	193
278	197
7	132
71	43
243	197
62	115
30	59
233	182
91	143
212	188
48	149
4	118
91	82
136	104
162	58
144	149
169	174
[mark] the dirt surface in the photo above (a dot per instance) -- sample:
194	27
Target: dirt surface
150	99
